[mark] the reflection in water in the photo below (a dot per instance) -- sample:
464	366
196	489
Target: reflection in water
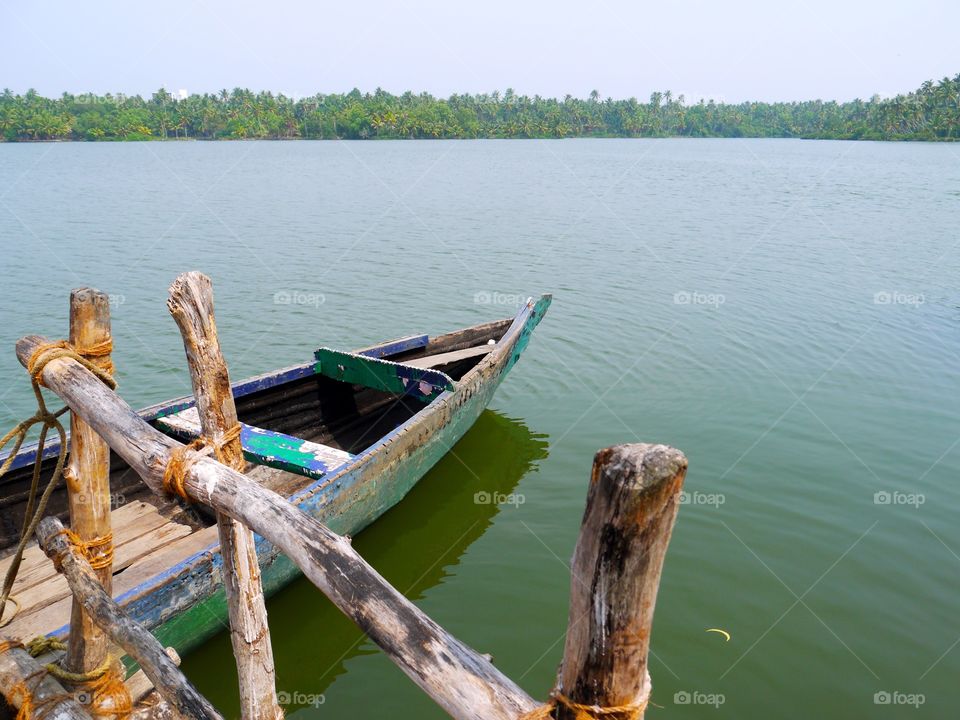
414	546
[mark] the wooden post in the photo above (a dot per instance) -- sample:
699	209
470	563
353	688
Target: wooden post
47	697
88	480
459	679
632	503
191	305
133	638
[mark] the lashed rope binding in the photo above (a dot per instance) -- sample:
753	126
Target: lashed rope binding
95	359
184	456
546	711
101	691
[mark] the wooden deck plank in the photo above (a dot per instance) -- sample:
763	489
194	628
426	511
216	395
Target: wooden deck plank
54	587
431	361
50	617
130	521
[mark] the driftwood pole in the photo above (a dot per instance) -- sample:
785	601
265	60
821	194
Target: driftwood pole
25	681
459	679
191	305
88	479
632	503
133	638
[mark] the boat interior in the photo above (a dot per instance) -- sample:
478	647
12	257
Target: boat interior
318	422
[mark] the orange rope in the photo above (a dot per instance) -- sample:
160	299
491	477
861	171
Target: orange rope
631	711
180	461
47	352
98	551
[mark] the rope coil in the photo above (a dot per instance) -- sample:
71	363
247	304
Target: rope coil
181	460
631	711
95	359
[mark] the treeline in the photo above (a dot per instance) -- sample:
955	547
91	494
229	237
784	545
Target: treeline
932	112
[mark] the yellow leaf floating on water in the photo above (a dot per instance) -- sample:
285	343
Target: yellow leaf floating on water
725	634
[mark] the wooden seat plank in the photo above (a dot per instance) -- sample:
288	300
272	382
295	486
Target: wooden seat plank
432	361
266	447
398	378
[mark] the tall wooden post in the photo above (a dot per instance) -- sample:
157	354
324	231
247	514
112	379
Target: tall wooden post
191	304
632	503
88	481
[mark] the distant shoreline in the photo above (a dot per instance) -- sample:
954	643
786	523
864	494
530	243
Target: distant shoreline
931	114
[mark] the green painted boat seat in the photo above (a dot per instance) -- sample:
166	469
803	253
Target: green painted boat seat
266	447
402	379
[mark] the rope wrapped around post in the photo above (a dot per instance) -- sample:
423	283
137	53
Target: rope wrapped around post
92	359
103	687
178	466
633	711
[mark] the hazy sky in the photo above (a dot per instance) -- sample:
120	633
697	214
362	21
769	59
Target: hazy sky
736	50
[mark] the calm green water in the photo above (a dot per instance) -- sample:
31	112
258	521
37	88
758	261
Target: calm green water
784	312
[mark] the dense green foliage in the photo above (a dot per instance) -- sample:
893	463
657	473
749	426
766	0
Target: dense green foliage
930	113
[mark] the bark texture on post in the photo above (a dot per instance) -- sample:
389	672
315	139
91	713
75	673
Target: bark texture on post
632	504
47	697
457	678
137	641
88	481
191	305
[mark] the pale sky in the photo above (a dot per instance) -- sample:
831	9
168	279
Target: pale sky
730	51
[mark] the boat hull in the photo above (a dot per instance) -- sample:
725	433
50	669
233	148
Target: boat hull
184	605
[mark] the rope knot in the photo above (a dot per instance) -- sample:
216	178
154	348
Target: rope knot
183	457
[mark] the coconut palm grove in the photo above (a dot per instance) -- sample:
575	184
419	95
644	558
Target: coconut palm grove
932	112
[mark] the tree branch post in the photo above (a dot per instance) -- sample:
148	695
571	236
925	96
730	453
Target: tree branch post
191	305
631	507
88	480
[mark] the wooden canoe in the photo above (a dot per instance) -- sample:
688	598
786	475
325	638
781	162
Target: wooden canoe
345	436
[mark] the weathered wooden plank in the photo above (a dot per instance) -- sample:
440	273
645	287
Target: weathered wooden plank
129	522
134	639
266	447
398	378
54	588
432	361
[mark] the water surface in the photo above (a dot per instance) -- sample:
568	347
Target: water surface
785	312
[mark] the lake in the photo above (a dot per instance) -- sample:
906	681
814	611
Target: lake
785	312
